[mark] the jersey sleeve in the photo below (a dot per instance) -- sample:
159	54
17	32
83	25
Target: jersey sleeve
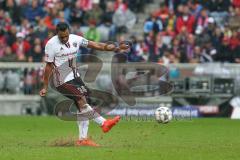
83	42
49	53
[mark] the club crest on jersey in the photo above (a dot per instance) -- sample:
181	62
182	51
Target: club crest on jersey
61	49
84	43
75	44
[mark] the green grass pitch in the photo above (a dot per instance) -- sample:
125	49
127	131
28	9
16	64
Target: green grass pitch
40	138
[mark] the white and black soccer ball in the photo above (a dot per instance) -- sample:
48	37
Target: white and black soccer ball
163	115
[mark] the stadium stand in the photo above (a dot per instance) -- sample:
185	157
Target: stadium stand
183	31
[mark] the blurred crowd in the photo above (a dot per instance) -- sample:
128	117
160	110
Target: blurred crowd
190	31
20	81
179	31
26	25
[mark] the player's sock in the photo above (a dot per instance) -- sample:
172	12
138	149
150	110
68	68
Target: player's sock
99	120
97	117
83	129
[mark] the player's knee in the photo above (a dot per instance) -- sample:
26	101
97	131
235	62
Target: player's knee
81	102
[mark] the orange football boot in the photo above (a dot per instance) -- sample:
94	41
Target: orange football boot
86	142
109	123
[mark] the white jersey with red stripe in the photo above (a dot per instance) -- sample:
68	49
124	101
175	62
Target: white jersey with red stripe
64	55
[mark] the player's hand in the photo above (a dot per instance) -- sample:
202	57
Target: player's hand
123	48
43	92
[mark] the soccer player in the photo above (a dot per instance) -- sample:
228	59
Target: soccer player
61	49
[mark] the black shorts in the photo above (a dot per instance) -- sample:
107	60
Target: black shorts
74	89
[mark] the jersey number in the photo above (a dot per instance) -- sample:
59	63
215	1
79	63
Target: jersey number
70	62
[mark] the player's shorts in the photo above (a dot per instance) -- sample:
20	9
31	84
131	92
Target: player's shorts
74	89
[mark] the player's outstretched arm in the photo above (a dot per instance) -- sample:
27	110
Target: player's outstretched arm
47	72
108	47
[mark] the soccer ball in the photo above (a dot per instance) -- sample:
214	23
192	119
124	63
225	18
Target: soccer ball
163	115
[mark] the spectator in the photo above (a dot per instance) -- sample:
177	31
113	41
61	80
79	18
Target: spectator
36	54
190	47
235	46
95	13
76	29
124	20
153	24
237	55
92	33
195	8
234	17
51	15
120	5
219	10
12	82
217	38
4	20
41	30
209	53
50	35
76	14
168	35
13	10
28	82
160	47
21	47
211	26
25	26
176	47
2	82
234	41
84	5
186	20
107	16
11	35
31	36
64	7
225	54
137	5
236	3
179	11
227	31
34	12
217	5
171	21
168	58
3	43
197	55
59	18
202	20
150	43
162	12
138	50
9	56
107	21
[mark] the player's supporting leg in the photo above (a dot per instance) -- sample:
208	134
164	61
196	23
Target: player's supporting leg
83	129
83	138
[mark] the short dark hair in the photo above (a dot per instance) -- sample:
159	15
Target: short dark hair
62	26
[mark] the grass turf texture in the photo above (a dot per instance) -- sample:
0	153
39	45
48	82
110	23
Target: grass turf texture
40	138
